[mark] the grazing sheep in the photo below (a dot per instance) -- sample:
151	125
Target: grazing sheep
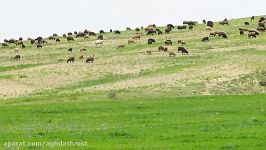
252	35
261	24
100	37
5	45
241	32
70	38
224	22
181	42
90	59
246	23
170	26
253	30
120	46
69	34
210	24
12	41
162	48
32	41
86	31
168	42
98	43
39	46
92	34
205	39
190	27
252	18
17	57
262	83
190	22
23	46
117	32
212	34
221	34
167	31
19	42
262	19
181	27
51	38
57	40
184	51
71	60
83	50
101	32
151	32
261	29
148	52
81	57
151	41
43	42
172	54
5	40
70	50
180	49
160	32
131	41
81	34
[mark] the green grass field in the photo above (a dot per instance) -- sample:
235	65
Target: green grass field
209	99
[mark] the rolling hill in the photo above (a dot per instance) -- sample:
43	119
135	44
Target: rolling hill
127	99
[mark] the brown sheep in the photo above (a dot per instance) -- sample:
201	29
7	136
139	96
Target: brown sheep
252	35
131	41
71	60
168	42
205	39
181	42
167	31
70	38
81	57
17	57
162	48
224	22
120	46
172	54
90	59
148	52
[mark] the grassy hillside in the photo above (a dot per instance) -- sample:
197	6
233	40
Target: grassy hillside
127	99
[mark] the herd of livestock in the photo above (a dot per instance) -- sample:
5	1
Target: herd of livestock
149	31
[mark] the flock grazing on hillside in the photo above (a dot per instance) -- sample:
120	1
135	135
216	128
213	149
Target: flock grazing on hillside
150	30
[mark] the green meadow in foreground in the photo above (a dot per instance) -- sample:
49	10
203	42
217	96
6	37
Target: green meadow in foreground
208	122
126	99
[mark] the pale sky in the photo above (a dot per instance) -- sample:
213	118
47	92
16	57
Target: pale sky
32	18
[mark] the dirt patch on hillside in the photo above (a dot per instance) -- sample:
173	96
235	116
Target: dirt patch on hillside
13	89
215	73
